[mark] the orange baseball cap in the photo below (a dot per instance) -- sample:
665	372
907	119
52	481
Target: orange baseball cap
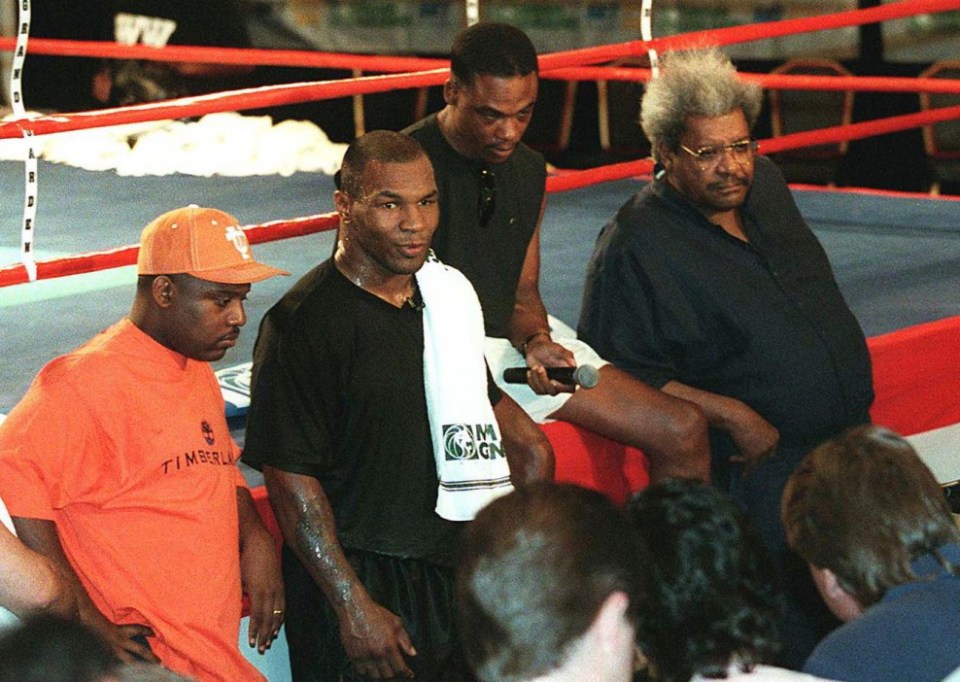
203	242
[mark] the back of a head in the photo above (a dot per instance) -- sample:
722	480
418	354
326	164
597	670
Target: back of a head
52	649
535	568
709	600
864	505
384	146
702	83
492	49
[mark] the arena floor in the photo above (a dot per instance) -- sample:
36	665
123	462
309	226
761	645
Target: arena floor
896	256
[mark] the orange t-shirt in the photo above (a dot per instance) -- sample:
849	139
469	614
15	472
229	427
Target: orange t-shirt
123	444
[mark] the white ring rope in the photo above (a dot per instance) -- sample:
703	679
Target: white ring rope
30	156
646	34
473	12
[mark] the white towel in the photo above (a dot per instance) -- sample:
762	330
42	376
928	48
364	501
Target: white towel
471	462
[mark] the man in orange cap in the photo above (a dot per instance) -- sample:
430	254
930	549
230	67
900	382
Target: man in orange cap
118	464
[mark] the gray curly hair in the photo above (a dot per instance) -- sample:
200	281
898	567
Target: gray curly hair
694	83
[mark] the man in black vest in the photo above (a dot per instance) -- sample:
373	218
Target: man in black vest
492	195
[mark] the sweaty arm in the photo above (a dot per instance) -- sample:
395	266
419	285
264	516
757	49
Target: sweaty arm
30	583
260	574
41	536
529	327
373	637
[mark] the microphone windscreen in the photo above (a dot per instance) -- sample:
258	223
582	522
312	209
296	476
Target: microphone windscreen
587	376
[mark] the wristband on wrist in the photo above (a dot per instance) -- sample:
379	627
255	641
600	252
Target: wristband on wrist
526	342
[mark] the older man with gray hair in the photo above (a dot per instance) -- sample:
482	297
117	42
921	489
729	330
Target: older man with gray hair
709	284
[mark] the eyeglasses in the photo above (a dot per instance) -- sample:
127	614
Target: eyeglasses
709	156
488	196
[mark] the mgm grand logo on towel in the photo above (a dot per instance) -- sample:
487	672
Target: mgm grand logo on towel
471	441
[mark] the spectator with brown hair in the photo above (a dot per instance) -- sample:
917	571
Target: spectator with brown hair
875	527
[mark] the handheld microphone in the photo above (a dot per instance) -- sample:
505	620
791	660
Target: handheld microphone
585	376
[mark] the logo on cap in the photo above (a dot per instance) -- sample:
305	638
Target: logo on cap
236	235
203	242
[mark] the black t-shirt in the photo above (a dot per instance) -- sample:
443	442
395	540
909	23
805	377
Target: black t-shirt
671	296
338	394
490	255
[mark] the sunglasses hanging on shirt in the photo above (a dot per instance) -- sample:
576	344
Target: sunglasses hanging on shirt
488	196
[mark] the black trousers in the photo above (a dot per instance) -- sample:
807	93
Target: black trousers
420	593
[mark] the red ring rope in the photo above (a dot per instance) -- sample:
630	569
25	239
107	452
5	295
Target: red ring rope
127	255
593	55
569	65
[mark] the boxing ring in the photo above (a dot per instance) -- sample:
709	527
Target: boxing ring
68	236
